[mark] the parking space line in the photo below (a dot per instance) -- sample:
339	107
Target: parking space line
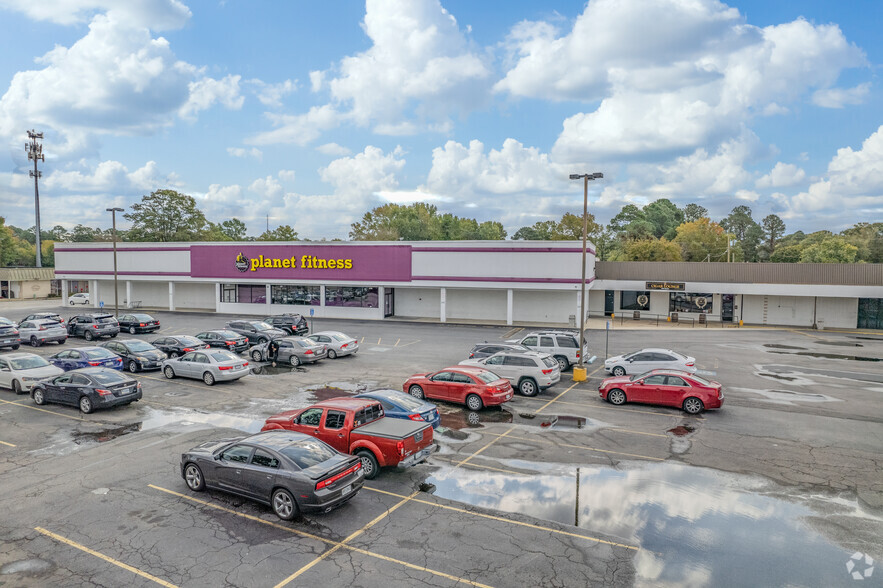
498	437
505	520
592	407
120	564
586	447
397	343
319	538
411	343
67	416
188	384
5	443
341	544
511	332
481	467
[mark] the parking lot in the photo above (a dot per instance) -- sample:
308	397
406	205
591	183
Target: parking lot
781	486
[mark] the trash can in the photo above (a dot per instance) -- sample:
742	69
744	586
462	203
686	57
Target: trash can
702	319
674	317
636	315
571	320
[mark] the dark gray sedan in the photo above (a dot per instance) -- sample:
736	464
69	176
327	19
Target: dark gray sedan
291	472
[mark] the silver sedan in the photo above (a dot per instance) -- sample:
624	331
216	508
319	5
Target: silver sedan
208	365
338	343
290	350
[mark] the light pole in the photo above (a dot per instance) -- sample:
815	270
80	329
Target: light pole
35	153
582	318
116	296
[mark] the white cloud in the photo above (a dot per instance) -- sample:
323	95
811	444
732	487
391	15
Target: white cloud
840	97
317	80
286	175
298	129
747	195
364	173
155	14
254	152
267	188
108	177
272	94
333	149
206	92
410	196
782	175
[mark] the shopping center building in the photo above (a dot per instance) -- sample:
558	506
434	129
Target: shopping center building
503	282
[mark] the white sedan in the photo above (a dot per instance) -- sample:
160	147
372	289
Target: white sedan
78	298
337	343
638	362
20	371
208	365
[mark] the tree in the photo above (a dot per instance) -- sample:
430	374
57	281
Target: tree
166	215
664	216
694	212
786	254
58	233
747	232
7	244
570	227
868	237
420	222
652	250
281	233
833	249
539	231
234	228
773	229
627	215
702	240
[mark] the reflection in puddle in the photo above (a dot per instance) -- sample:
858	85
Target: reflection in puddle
841	343
777	376
275	370
81	437
464	419
329	392
779	346
682	430
695	526
831	355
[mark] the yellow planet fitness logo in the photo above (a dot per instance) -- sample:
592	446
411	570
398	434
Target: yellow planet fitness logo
245	264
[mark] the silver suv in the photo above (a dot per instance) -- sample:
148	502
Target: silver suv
562	345
528	371
39	331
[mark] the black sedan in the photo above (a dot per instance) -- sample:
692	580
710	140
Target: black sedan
88	388
178	345
138	323
137	355
289	471
224	339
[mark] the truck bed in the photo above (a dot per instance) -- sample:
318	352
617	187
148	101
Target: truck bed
392	428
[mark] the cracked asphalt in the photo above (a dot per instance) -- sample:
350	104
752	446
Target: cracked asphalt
781	486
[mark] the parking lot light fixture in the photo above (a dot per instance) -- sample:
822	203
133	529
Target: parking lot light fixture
582	318
116	296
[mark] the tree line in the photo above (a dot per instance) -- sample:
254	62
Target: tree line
659	231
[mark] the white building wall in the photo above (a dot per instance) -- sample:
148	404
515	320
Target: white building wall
196	295
544	307
471	304
795	311
838	313
152	294
417	302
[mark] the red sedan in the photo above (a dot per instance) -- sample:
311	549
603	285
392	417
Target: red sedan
665	387
473	386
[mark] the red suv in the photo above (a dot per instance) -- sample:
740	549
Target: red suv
475	387
665	387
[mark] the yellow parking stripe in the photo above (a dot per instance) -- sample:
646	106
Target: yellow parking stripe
568	390
67	416
504	520
322	539
498	437
120	564
586	447
7	444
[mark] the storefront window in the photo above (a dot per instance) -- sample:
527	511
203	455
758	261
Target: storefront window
349	296
251	293
634	300
685	302
309	295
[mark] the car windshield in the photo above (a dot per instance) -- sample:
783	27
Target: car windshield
99	354
4	321
305	343
628	355
405	401
223	356
139	346
28	363
487	377
308	453
259	326
105	319
639	376
110	377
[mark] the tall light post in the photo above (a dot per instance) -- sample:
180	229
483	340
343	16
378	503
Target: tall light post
582	318
116	296
35	153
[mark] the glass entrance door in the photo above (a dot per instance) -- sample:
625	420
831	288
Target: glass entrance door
389	301
608	302
727	307
870	313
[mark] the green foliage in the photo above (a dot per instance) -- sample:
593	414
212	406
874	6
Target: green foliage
694	212
569	228
773	229
652	250
702	240
282	233
787	254
166	215
664	216
540	231
421	222
830	250
747	232
7	244
868	238
234	229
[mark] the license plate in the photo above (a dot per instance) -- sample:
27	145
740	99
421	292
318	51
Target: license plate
7	340
125	391
346	490
240	366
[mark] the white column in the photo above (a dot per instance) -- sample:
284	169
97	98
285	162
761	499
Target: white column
64	288
171	295
442	314
217	297
128	293
321	296
509	305
94	295
267	296
579	309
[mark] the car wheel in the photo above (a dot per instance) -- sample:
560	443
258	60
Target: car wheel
369	464
528	387
193	477
563	364
63	341
255	355
168	372
208	378
85	405
132	330
283	504
332	354
14	347
693	405
16	387
416	391
618	371
114	335
71	302
473	402
173	354
35	342
38	396
133	366
294	360
88	336
616	396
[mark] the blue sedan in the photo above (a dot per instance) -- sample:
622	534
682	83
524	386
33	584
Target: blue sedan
398	405
86	357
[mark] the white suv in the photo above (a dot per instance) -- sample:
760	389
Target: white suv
561	345
528	371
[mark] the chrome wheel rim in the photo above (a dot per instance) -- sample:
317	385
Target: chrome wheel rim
282	504
255	356
416	392
527	388
133	367
617	397
85	404
618	371
692	405
367	466
193	478
332	354
38	397
473	402
562	363
169	373
208	378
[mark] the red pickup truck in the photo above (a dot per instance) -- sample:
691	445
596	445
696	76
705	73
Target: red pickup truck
357	426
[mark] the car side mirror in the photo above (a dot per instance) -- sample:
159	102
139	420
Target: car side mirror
641	382
630	360
4	369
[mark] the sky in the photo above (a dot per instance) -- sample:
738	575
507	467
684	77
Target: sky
310	114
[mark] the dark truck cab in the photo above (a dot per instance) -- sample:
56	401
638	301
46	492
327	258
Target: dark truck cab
357	426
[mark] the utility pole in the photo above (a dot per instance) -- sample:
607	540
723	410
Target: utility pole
35	153
116	297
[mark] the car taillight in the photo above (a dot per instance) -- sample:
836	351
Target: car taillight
548	371
471	355
245	364
333	479
229	342
102	392
577	353
415	417
225	367
401	447
691	364
42	328
309	352
140	324
96	363
187	349
493	390
344	345
94	326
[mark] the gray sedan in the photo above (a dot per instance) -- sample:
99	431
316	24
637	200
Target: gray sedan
338	343
291	350
289	471
39	331
208	365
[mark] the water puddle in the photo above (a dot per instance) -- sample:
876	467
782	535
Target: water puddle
779	346
694	526
841	343
27	567
457	418
789	396
329	392
819	355
777	377
275	370
682	430
108	434
554	421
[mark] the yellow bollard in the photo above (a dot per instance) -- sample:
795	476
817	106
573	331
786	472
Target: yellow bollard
668	319
740	322
579	374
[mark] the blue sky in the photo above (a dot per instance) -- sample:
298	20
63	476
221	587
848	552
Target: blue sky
314	113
